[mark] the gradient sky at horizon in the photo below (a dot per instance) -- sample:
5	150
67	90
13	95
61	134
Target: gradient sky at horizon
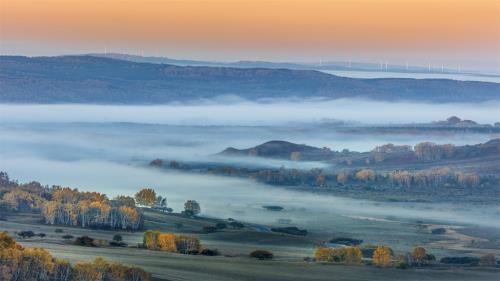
455	33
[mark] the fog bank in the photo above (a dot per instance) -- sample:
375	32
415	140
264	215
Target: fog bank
231	112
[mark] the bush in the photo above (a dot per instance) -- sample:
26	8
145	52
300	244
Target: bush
210	252
117	244
460	260
85	241
438	231
236	224
261	255
292	230
67	236
41	235
117	238
346	241
58	230
26	234
209	229
221	225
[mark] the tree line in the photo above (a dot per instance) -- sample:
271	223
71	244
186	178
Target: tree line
67	206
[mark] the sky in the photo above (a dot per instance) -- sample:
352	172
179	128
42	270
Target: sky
456	33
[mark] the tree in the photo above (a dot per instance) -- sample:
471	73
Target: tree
125	201
187	244
161	204
382	256
6	242
488	260
342	177
166	242
146	197
419	255
192	208
365	175
150	239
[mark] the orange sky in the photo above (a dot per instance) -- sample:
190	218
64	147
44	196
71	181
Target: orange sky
237	29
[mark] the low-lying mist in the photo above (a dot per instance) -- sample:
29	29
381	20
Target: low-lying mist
237	198
230	111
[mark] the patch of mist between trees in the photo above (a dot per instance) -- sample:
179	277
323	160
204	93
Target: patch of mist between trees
238	198
268	112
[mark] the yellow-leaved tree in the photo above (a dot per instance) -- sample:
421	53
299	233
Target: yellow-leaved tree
382	256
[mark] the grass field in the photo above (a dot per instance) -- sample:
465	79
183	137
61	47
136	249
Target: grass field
234	263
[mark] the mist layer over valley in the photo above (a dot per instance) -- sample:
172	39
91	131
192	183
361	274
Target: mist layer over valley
108	148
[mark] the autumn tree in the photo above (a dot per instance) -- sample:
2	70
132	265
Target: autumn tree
167	242
382	256
187	244
342	177
146	197
365	175
150	239
419	255
488	260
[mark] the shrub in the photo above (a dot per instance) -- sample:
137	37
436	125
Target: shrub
236	224
209	229
438	231
117	244
85	241
58	230
210	252
41	235
346	241
460	260
26	234
117	238
221	225
67	236
261	255
292	230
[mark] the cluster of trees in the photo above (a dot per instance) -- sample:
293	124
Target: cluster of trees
37	264
91	209
320	178
67	206
434	178
348	255
429	151
383	256
169	242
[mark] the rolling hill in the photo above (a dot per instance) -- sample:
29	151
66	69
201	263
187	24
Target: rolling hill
88	79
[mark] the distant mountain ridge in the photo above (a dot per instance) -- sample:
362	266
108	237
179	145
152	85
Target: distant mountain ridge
88	79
